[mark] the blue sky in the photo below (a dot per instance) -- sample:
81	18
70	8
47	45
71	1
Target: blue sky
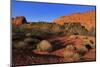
45	12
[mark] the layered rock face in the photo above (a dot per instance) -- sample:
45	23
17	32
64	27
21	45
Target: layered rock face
19	20
87	19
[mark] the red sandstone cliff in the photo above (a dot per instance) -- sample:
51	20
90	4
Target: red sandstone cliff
87	19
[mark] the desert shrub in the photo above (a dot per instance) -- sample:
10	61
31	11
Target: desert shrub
44	45
92	32
34	32
55	28
70	47
81	49
76	56
89	42
60	33
31	40
28	40
85	38
68	54
28	34
76	29
20	45
37	32
15	29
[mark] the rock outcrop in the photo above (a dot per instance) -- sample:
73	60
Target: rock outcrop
91	55
87	19
18	20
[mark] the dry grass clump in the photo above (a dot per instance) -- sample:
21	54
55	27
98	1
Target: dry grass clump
20	44
81	49
44	45
70	47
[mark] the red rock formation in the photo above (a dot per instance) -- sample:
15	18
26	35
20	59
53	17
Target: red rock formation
91	55
63	52
18	20
87	19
